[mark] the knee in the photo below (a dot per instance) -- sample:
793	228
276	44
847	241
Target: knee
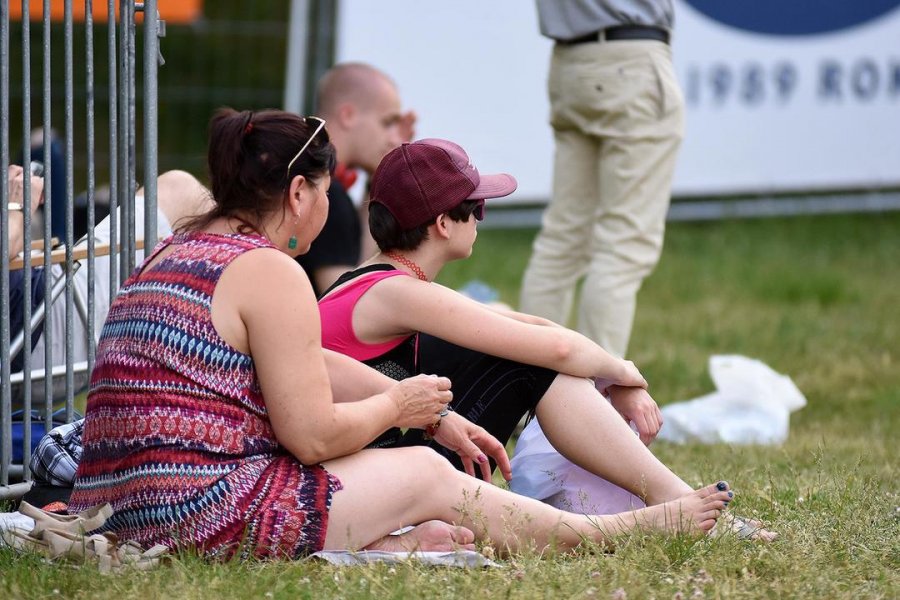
426	458
427	464
564	390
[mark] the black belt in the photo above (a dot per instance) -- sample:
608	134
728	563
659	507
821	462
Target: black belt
622	32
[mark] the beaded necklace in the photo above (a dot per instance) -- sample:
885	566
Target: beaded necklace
416	269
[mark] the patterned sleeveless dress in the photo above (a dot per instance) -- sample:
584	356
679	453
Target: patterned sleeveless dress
177	437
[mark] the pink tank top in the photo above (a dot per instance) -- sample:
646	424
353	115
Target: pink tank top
336	311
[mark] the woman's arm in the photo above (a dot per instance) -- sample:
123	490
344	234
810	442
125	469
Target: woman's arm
263	303
351	380
400	305
520	316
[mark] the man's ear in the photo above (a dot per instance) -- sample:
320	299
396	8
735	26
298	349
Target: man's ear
346	114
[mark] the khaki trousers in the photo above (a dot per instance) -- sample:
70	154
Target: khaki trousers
618	118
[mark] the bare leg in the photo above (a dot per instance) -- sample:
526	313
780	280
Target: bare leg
587	430
387	489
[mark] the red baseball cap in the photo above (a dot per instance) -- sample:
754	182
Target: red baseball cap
418	181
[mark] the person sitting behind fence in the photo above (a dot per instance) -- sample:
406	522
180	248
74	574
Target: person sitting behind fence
53	461
179	196
215	419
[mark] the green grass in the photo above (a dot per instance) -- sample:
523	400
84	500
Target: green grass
817	298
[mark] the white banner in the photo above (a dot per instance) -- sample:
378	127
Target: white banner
773	112
776	101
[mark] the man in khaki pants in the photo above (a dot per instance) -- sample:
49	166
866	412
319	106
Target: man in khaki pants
617	115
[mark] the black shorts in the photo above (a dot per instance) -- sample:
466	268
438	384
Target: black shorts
492	392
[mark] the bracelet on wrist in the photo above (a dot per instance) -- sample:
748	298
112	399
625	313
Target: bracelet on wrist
15	206
431	430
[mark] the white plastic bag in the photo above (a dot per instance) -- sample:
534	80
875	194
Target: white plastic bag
539	471
751	405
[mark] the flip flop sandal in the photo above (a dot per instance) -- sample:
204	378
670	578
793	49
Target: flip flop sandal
743	528
88	520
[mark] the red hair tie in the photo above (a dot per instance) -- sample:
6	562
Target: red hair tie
248	128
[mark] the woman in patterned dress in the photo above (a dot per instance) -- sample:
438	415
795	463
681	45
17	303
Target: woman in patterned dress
216	421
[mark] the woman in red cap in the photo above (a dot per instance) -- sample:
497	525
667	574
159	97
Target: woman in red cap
426	199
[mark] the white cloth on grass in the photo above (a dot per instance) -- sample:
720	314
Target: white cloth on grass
460	558
14	521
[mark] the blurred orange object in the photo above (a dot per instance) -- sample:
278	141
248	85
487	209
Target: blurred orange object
56	507
172	11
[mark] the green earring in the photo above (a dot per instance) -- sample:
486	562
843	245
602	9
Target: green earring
292	243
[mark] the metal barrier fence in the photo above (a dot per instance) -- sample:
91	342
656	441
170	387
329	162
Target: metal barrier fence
53	387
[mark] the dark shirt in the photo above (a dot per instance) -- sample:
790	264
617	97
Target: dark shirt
339	243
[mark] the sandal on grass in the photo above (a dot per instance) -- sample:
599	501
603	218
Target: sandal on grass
103	549
743	528
130	554
88	520
19	539
65	537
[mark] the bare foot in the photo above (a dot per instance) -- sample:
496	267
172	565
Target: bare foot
692	513
430	536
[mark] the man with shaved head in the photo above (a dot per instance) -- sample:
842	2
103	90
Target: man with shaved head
364	120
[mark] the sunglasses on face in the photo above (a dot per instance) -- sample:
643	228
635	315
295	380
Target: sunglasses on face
319	127
478	211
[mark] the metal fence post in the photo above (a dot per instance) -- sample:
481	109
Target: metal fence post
5	392
151	64
123	237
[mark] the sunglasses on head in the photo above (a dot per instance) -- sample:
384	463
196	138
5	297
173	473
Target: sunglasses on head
319	127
